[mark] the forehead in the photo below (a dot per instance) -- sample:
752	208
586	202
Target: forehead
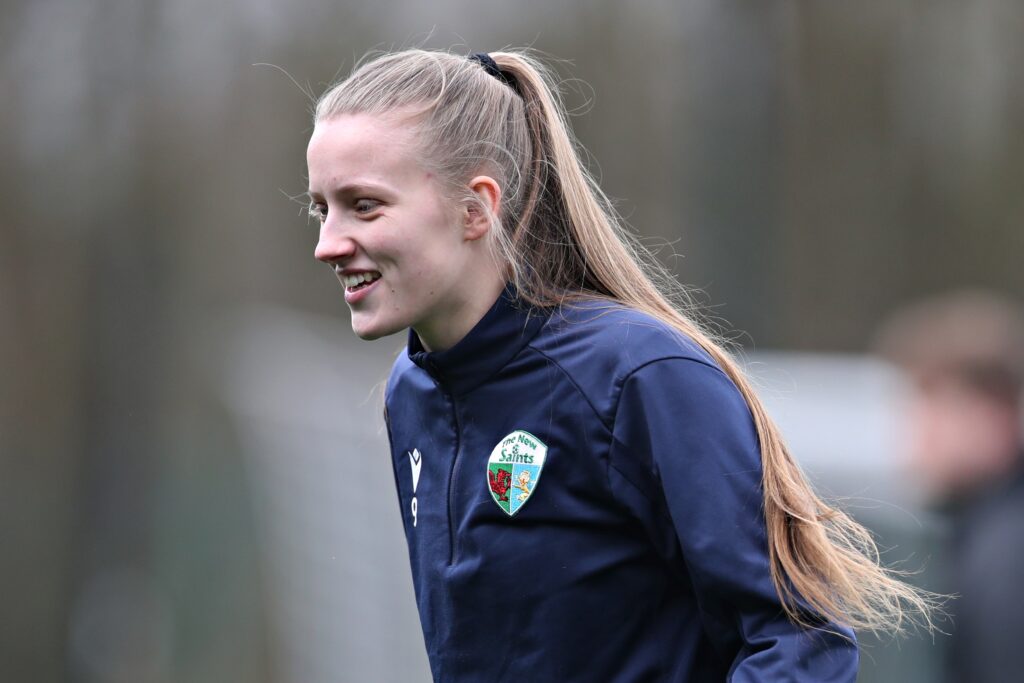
360	147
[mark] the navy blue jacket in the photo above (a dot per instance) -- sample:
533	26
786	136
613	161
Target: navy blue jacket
632	549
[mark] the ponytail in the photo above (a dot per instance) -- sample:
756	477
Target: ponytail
817	553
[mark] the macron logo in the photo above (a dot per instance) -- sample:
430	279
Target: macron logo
415	461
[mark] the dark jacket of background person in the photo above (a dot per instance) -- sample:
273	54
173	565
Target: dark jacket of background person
986	568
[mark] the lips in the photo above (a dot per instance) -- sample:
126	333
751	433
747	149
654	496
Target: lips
360	290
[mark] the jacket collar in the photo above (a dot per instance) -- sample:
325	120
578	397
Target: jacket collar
495	340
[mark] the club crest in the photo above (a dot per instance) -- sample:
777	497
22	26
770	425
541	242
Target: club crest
513	469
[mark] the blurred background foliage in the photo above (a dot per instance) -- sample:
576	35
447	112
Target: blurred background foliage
809	165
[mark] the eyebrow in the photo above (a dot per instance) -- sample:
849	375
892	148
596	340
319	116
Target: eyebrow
349	188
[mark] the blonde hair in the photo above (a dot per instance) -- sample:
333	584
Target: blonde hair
560	239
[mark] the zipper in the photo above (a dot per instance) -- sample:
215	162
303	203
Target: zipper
451	482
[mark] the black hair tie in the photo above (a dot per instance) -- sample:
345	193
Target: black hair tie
491	67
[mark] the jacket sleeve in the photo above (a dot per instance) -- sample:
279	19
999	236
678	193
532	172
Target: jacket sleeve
683	432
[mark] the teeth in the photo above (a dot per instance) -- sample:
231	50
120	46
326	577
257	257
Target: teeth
358	278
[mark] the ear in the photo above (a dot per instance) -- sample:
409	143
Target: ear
488	193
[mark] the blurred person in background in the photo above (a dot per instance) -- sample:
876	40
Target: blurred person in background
964	352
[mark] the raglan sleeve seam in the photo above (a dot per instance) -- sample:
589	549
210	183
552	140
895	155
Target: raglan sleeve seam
568	375
630	477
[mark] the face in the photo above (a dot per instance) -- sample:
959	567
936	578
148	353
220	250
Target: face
391	235
960	438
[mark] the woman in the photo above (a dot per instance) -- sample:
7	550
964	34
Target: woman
590	489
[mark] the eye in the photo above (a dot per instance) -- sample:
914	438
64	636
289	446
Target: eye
365	205
318	211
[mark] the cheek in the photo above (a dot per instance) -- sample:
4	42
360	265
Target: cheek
419	275
436	259
421	247
435	275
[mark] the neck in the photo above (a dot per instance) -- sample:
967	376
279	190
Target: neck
443	336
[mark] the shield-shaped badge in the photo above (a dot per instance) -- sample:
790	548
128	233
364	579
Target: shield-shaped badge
513	469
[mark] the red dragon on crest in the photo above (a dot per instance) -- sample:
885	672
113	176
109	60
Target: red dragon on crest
501	483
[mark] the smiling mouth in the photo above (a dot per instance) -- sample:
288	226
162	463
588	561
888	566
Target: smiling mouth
354	283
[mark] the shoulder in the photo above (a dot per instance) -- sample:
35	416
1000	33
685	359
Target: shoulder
613	337
600	344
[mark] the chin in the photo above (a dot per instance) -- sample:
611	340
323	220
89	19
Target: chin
372	332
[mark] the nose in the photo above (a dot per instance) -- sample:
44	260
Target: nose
334	245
